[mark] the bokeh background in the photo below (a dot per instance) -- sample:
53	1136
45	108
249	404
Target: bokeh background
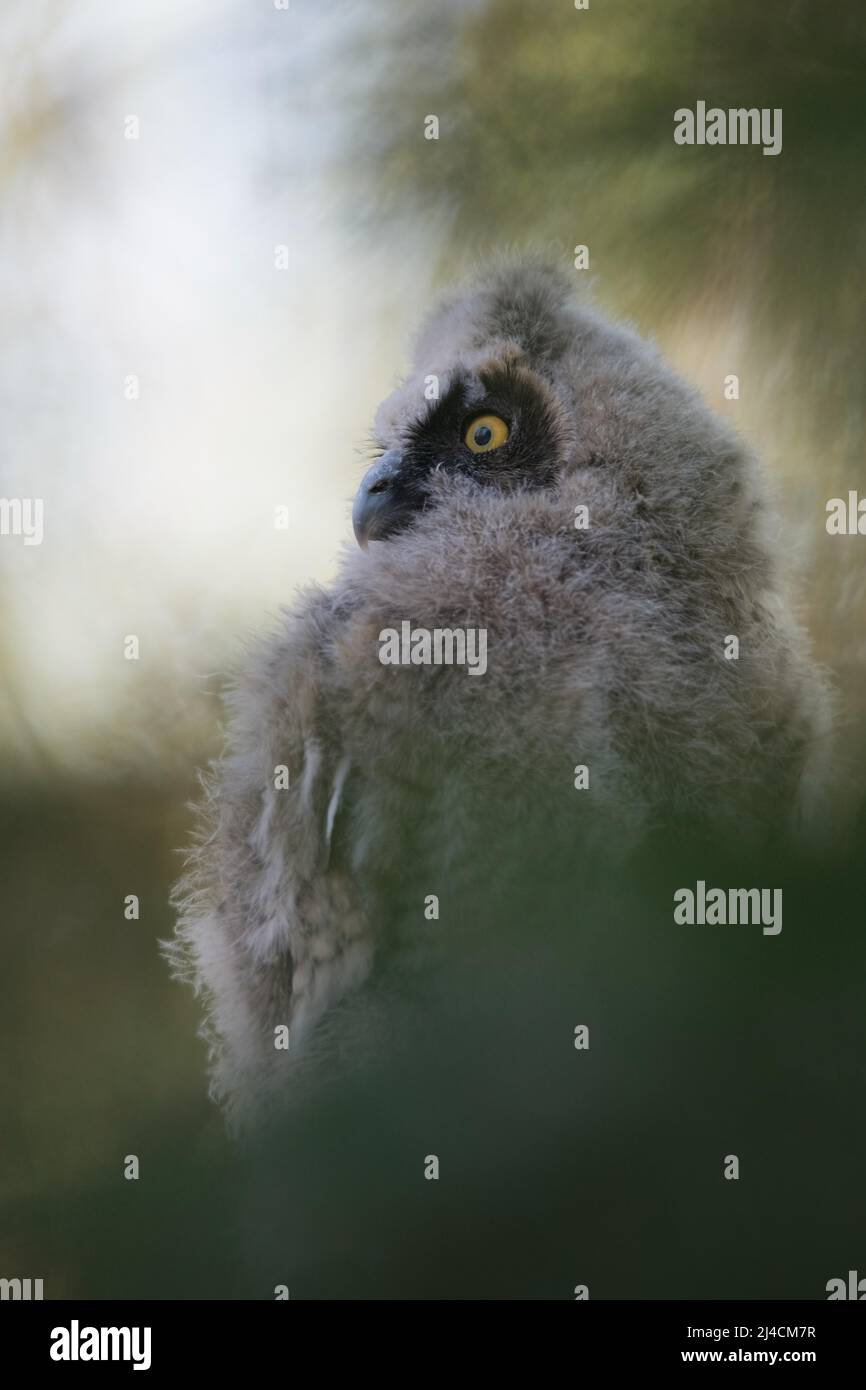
303	127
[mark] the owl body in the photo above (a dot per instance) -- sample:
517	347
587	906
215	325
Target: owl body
609	548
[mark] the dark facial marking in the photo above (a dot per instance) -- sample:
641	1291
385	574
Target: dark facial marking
390	499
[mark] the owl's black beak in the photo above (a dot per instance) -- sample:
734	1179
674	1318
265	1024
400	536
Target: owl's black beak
383	504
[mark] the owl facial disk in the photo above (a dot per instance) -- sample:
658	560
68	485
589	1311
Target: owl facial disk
498	427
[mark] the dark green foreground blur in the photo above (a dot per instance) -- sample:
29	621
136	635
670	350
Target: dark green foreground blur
557	1166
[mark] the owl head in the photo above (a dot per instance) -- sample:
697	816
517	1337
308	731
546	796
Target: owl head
519	389
486	401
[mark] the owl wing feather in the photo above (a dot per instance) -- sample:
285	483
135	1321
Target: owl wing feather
270	926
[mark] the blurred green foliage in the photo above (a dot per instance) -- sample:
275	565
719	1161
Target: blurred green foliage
558	124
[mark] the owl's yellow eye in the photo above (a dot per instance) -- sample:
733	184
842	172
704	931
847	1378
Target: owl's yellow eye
485	433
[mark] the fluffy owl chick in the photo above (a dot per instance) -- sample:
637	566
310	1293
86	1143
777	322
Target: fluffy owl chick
546	480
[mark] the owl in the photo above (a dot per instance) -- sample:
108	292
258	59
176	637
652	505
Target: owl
562	630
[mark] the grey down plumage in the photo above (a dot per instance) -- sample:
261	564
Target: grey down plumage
605	649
